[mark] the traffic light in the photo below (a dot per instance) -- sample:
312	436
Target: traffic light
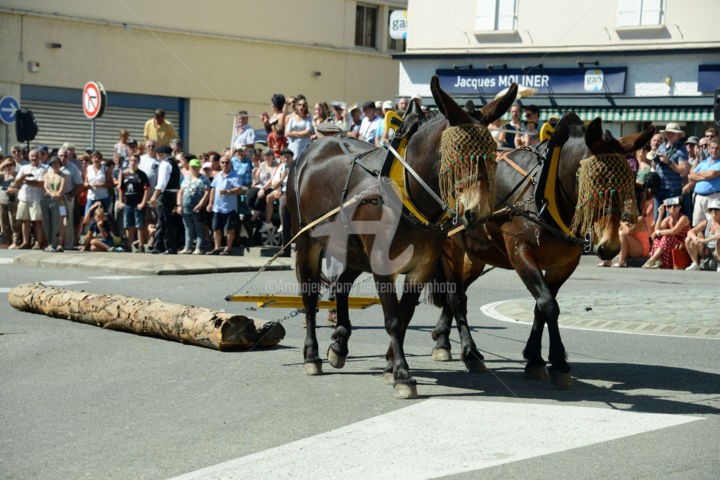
716	110
25	126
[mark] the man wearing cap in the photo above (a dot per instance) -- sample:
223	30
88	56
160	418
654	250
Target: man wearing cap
243	166
340	115
354	121
159	129
705	181
164	200
74	185
691	145
369	122
381	135
244	135
671	165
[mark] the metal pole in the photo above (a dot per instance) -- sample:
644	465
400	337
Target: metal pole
92	134
7	134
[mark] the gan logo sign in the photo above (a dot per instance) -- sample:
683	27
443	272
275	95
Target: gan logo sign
398	24
594	80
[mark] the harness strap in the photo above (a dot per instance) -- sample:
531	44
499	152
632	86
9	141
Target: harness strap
422	183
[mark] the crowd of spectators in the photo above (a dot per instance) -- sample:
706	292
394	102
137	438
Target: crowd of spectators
678	194
153	197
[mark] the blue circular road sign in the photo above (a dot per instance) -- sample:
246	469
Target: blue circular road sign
8	106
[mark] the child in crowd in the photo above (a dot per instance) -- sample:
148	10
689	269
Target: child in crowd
702	241
99	237
192	197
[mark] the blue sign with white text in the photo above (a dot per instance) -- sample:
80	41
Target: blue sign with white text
547	81
8	106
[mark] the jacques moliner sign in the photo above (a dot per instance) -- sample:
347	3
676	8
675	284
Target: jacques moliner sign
549	81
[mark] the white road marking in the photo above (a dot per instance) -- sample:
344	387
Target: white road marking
441	437
6	260
63	283
490	310
5	290
116	277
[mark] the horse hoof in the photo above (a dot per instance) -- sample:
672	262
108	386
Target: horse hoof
313	368
562	380
335	360
388	378
405	391
441	355
476	366
536	372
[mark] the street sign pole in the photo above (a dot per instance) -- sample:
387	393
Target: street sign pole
7	134
94	100
92	134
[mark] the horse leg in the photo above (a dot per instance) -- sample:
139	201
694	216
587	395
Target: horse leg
559	368
469	354
407	303
338	350
530	273
441	335
307	265
397	317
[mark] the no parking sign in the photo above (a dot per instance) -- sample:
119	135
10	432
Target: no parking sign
93	100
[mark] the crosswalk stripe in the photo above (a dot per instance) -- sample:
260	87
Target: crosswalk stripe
64	283
436	438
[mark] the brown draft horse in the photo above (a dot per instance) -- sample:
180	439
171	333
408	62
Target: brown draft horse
542	261
367	235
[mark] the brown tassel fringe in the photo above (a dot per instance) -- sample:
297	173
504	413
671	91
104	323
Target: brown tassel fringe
467	151
605	182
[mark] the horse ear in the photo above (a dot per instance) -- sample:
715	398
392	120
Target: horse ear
594	135
631	143
497	108
447	106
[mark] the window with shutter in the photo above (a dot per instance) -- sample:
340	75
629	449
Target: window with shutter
495	15
634	13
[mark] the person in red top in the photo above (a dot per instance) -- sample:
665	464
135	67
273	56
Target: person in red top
277	140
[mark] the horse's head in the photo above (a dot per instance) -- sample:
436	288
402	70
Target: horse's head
467	165
606	187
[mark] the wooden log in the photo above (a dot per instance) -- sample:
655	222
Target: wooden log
155	318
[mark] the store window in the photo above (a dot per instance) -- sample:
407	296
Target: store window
366	18
499	15
636	13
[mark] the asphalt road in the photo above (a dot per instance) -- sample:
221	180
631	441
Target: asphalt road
78	402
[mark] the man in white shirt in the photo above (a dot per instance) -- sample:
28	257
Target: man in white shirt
73	188
31	179
369	123
244	135
149	163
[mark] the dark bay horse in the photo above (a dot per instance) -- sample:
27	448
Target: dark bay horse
540	258
372	234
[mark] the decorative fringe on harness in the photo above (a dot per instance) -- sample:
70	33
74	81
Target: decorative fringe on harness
605	184
468	154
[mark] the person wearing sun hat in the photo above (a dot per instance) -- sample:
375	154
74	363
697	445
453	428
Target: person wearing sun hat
671	164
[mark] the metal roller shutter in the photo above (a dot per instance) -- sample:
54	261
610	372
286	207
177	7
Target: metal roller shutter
65	122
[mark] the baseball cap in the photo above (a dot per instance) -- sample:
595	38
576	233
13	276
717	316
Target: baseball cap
42	148
194	162
287	151
387	104
368	104
714	204
207	165
693	139
672	201
340	105
165	149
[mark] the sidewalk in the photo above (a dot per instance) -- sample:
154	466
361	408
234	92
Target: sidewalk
147	264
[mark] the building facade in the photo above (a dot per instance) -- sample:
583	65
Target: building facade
200	61
631	62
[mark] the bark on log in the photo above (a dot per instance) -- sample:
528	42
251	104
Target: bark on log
155	318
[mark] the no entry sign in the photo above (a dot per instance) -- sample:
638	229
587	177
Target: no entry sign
93	100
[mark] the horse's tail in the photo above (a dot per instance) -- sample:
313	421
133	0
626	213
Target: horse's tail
438	285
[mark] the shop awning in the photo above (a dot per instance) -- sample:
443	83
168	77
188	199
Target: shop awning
632	114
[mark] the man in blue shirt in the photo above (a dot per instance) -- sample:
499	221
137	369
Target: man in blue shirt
671	164
706	177
223	204
243	166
